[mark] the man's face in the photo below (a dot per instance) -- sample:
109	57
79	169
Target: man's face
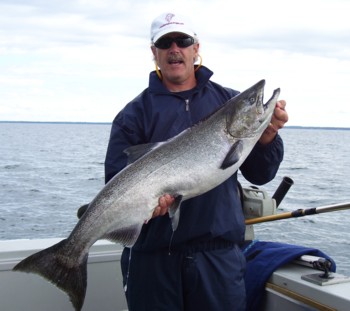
176	63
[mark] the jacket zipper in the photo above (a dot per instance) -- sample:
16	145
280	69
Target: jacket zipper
187	102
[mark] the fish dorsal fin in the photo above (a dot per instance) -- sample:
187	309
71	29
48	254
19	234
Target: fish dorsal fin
233	155
137	151
174	212
126	236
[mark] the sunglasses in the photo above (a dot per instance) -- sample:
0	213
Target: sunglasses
181	42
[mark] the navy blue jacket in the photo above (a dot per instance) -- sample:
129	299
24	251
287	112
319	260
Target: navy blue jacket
157	115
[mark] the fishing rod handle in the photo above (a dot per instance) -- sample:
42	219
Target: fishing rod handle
282	189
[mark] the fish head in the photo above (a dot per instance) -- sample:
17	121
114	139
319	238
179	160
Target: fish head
247	115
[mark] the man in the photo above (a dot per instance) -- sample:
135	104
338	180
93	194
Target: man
200	265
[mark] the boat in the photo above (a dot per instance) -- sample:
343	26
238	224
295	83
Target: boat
292	287
24	291
300	280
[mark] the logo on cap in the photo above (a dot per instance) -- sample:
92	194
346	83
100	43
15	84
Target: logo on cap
169	16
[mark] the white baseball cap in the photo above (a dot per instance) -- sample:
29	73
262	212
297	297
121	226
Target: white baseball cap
171	22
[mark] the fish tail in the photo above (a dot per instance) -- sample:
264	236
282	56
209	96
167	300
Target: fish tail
54	265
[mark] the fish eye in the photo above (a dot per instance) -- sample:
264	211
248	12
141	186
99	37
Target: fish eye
252	100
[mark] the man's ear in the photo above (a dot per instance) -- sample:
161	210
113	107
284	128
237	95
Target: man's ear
154	52
196	50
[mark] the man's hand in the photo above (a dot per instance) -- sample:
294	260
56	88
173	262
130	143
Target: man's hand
164	203
278	120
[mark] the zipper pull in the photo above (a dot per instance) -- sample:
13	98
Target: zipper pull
187	102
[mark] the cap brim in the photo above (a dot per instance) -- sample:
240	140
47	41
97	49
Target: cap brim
172	30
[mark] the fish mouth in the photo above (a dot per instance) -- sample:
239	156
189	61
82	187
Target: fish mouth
270	105
258	89
273	98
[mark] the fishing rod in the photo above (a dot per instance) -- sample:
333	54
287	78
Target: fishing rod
300	213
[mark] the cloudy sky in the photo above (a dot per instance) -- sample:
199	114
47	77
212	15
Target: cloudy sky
83	60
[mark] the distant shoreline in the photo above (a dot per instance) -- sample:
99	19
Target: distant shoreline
57	122
109	123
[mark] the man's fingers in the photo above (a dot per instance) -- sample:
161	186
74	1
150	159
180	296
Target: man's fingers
166	200
164	203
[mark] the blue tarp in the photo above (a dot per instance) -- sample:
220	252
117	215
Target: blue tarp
263	258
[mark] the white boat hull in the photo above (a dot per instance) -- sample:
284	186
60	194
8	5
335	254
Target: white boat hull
25	291
285	290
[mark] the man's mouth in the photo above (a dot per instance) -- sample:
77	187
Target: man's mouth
174	60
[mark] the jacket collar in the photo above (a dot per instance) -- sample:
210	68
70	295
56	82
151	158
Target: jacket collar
156	86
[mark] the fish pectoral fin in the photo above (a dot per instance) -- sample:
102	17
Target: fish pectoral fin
126	236
137	151
82	209
233	155
174	212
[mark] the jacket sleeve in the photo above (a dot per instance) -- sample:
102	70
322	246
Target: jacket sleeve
262	164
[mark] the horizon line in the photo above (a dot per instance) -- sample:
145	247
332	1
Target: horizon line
108	123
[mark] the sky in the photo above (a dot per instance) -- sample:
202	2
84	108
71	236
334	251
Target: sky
84	60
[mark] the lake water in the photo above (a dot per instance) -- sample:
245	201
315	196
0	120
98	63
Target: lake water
48	170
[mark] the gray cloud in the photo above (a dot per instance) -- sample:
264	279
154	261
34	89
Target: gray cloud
39	24
334	45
